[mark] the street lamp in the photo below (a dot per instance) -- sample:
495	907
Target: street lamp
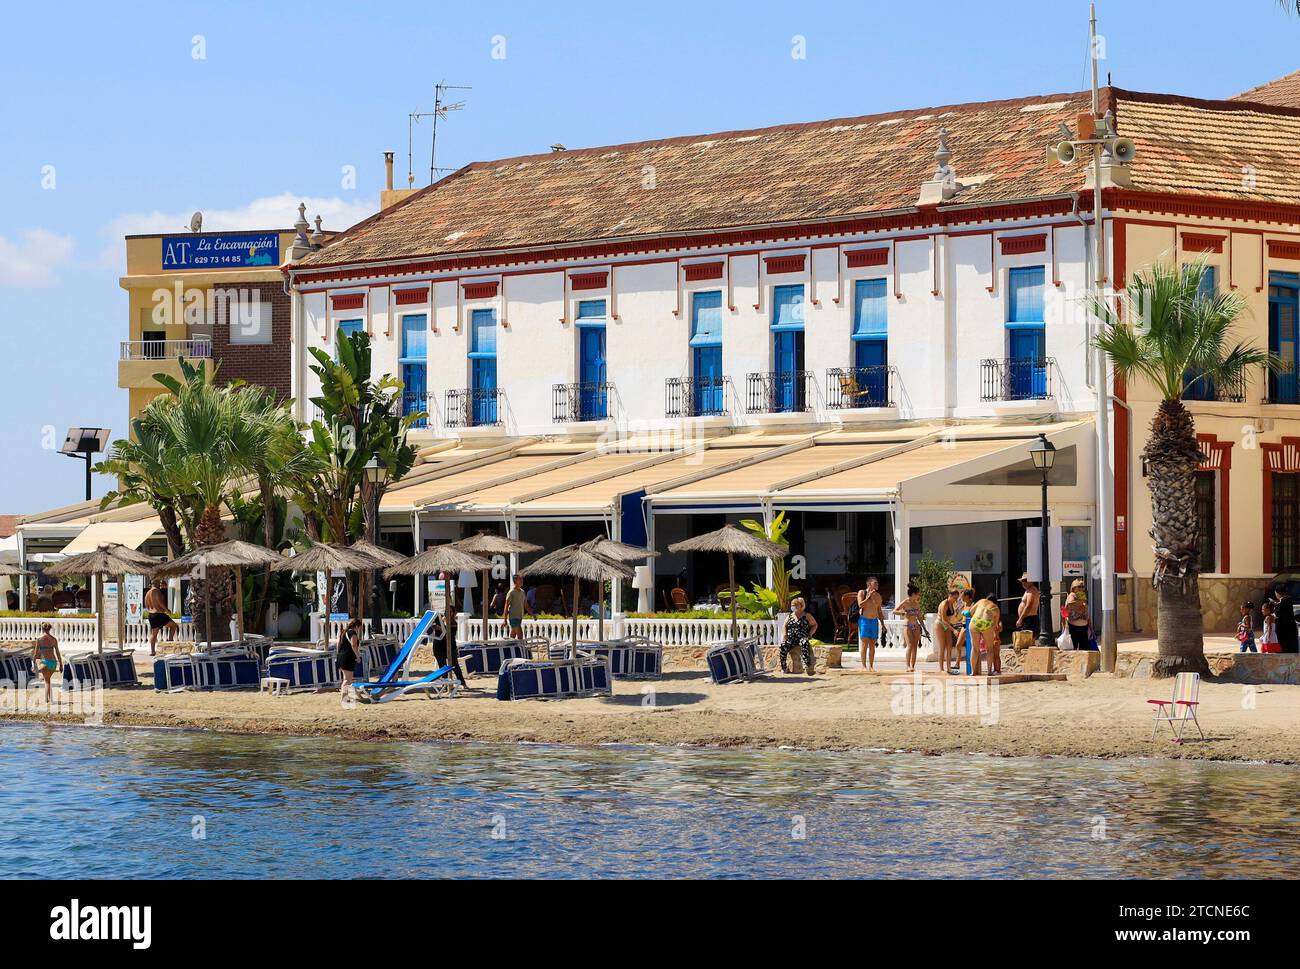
376	472
1044	454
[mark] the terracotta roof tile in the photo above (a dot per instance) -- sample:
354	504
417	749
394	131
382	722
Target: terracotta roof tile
1284	92
8	525
823	170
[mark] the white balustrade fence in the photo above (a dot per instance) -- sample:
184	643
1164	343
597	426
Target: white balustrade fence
79	631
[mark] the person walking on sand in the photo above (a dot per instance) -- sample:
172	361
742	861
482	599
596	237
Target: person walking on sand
1075	611
348	652
799	632
871	612
910	609
1027	614
946	629
46	658
515	605
160	620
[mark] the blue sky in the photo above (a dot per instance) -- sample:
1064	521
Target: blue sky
140	132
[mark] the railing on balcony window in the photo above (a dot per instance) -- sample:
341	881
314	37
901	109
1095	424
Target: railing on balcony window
779	392
1223	392
1018	378
695	396
852	387
580	402
473	407
416	403
166	349
1283	385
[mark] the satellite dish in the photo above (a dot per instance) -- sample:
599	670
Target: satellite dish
196	222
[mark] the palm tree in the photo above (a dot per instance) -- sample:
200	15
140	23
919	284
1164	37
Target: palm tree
1178	338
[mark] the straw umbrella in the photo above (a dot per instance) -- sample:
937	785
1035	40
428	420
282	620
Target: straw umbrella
453	561
579	562
733	541
227	555
110	559
323	557
385	555
619	552
488	544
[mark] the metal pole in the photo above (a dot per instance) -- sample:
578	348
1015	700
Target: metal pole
1045	583
1105	474
88	460
376	608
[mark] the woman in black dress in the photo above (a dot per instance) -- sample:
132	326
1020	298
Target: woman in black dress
1284	612
798	635
348	652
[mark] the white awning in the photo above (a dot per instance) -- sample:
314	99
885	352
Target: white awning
130	534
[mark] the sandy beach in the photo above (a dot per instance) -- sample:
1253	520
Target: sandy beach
1102	716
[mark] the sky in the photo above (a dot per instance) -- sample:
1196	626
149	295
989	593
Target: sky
121	118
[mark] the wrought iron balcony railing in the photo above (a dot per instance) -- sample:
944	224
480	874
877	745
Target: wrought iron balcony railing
780	392
1223	392
1018	378
414	402
473	407
852	387
580	402
695	396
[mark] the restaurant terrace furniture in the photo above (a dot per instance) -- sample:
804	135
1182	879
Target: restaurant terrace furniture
736	662
110	668
564	679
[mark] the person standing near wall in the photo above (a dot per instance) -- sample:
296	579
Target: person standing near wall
1284	615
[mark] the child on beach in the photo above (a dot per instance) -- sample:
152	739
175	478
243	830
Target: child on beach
1268	642
1246	628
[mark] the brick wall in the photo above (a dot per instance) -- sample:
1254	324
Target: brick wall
264	364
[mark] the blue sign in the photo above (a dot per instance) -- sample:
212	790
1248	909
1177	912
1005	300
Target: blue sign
221	251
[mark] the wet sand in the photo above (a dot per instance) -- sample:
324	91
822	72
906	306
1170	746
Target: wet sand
1101	717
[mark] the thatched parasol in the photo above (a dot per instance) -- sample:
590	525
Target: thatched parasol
619	552
110	559
228	555
323	557
13	570
732	541
385	555
579	562
488	544
453	561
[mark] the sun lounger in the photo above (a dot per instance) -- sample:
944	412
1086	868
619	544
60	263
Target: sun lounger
630	658
440	683
586	676
486	658
1181	709
228	666
303	668
736	662
16	666
114	667
376	656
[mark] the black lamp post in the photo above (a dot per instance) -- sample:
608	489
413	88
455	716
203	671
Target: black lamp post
376	472
1044	454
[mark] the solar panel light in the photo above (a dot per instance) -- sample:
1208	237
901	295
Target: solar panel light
85	440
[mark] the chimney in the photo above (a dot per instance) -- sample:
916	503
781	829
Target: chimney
391	196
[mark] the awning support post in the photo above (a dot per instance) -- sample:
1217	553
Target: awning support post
902	551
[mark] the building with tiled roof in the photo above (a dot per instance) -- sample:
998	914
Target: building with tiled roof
8	523
1284	92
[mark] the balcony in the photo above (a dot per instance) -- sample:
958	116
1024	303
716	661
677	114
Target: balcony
139	360
473	407
780	392
851	388
580	402
1283	387
1232	392
1018	378
415	402
695	397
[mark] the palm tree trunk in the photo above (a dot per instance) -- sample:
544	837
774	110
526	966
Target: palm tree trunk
1172	455
215	584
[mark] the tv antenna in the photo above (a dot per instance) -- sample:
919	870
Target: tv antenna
441	108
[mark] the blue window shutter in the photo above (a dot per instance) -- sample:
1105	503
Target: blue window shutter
414	339
706	319
870	309
1025	295
483	333
1209	283
787	307
350	326
591	311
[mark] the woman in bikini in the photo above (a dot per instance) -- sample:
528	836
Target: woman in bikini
910	609
46	658
986	631
946	629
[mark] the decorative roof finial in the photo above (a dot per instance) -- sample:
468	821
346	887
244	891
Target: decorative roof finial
943	172
318	237
301	226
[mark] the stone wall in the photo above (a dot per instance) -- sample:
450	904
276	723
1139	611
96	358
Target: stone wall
1221	599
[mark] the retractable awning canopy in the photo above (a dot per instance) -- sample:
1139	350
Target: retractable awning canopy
131	534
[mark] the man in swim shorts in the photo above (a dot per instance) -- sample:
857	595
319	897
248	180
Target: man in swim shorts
871	612
155	601
516	603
